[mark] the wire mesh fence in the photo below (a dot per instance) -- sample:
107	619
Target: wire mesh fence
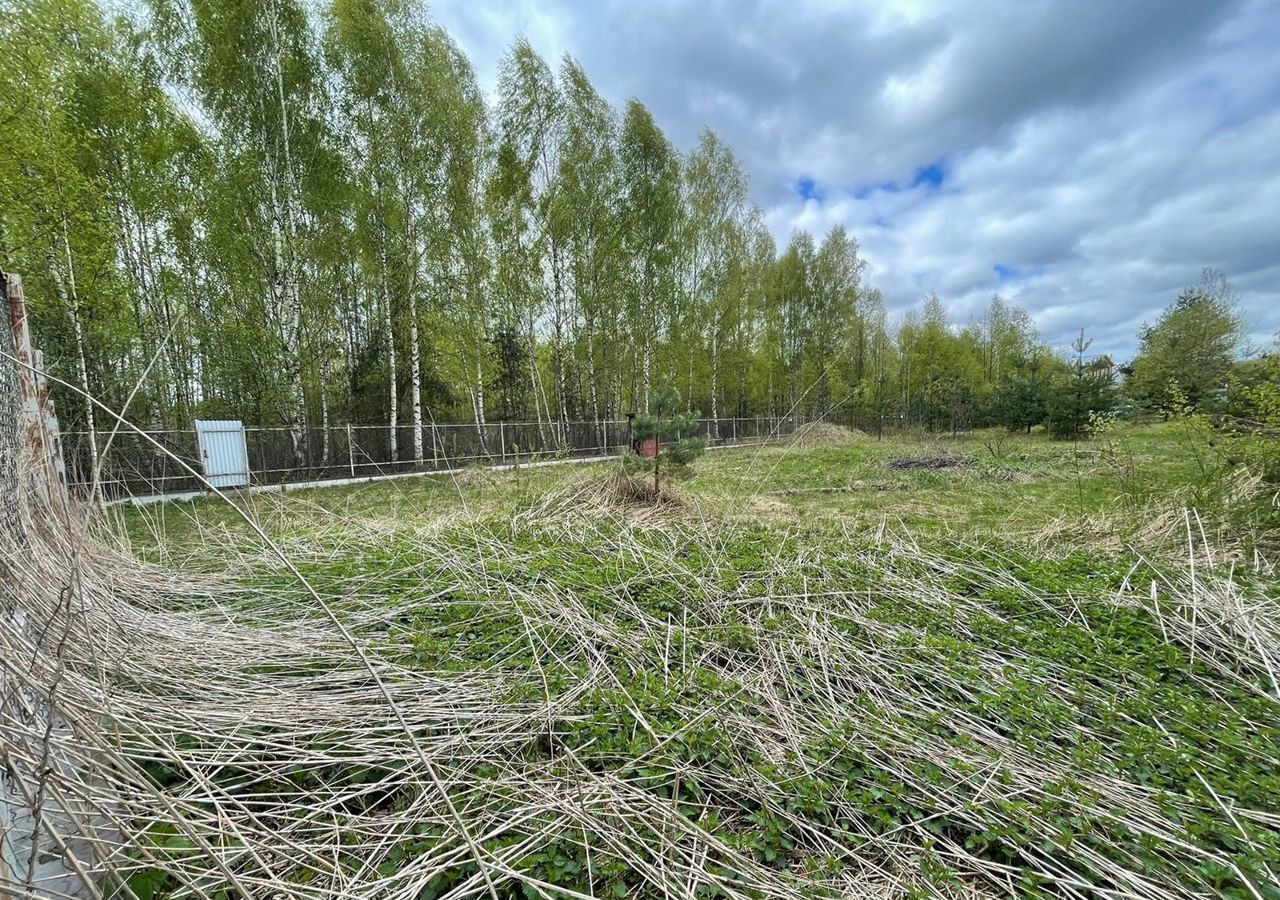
155	462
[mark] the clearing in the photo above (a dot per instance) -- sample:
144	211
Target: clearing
816	674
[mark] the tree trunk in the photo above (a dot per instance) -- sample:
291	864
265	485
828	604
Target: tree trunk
288	278
558	350
324	412
67	293
477	402
415	375
535	383
393	393
591	374
715	382
645	379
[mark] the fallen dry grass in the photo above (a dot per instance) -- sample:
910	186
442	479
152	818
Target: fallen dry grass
591	703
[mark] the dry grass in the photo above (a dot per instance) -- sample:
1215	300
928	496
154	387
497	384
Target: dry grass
823	434
612	494
940	461
476	476
289	741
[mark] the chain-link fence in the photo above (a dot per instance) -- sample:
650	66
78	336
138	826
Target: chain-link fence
50	835
133	465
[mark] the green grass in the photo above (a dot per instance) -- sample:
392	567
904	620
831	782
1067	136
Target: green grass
1014	487
833	668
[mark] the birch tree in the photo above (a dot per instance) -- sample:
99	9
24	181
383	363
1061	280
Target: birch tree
650	211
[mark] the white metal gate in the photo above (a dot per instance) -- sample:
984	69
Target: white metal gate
223	452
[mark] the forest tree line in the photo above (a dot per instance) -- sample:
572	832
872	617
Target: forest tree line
304	215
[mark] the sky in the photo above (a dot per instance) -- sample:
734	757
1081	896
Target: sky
1085	159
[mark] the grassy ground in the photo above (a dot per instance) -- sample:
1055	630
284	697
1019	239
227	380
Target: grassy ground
1103	493
820	676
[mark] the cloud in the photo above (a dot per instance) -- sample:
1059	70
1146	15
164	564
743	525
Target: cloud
1083	158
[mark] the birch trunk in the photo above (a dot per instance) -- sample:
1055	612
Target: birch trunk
66	289
591	374
324	412
392	393
645	373
558	315
478	401
688	398
715	383
415	375
535	384
287	252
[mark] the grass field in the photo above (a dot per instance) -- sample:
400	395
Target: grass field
1011	487
1031	672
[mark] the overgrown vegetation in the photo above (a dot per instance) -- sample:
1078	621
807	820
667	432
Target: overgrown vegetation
1124	485
850	691
997	640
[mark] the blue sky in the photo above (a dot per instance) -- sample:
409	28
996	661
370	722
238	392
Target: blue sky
1083	158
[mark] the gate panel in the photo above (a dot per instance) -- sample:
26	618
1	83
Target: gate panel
223	452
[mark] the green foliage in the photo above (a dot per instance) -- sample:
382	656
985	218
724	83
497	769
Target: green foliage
1072	400
1190	349
1253	432
1076	397
675	434
1020	399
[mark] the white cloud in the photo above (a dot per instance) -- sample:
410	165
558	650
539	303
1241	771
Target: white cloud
1101	152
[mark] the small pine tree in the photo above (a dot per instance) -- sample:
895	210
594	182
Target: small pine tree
1074	398
674	434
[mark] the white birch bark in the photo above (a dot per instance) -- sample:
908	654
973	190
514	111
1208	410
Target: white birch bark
324	411
286	251
715	381
66	289
392	393
645	374
415	376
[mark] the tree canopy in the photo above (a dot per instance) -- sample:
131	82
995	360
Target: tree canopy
306	214
1187	355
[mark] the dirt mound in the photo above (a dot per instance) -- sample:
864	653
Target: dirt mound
475	476
823	434
941	461
614	494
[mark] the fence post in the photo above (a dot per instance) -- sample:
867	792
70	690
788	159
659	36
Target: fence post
502	439
734	420
36	412
605	448
351	451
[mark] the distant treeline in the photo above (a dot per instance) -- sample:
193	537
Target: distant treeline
309	214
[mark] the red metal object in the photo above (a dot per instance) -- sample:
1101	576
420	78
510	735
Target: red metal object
648	448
